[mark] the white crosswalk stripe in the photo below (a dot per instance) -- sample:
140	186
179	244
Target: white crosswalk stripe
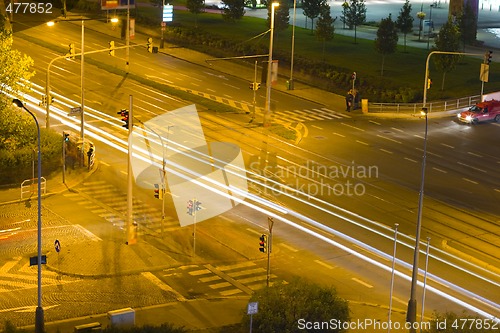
226	278
106	201
304	115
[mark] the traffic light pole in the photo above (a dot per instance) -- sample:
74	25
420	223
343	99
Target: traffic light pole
131	239
411	313
270	222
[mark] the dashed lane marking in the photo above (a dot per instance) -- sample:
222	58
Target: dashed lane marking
362	282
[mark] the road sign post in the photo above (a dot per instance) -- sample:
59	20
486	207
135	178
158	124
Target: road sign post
252	308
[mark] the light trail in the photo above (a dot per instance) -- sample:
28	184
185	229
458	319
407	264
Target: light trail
214	186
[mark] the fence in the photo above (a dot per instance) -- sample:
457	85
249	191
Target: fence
30	186
436	106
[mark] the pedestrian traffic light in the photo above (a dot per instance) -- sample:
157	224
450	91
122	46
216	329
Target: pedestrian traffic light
252	85
489	55
71	52
158	192
429	83
257	85
66	137
112	48
197	205
124	114
150	45
190	207
263	244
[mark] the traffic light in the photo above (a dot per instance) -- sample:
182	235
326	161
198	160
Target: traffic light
49	100
429	83
71	51
190	207
254	85
263	244
158	192
197	205
150	45
44	100
489	55
124	114
66	137
112	48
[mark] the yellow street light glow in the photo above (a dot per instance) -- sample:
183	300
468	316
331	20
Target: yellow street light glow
275	4
114	20
50	23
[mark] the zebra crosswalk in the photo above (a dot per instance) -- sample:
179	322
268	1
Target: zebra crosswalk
310	115
225	280
106	201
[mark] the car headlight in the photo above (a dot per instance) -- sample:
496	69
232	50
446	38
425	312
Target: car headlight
468	118
458	115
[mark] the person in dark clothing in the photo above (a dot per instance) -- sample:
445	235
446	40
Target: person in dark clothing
349	99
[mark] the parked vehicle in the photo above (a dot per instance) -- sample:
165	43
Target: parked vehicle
484	111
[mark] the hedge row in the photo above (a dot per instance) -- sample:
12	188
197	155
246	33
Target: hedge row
317	73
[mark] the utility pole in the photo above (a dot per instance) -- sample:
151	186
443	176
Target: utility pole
270	223
131	237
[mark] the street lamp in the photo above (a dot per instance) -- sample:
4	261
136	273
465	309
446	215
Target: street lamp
290	83
39	321
430	25
269	63
411	315
421	16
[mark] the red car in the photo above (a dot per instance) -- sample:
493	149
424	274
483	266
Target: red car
484	111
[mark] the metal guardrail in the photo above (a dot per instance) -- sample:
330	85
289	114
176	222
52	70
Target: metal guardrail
28	186
438	106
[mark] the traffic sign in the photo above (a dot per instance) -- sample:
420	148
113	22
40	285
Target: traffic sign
252	308
57	246
34	260
168	13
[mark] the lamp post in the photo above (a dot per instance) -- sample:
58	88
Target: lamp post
267	120
290	82
430	25
39	321
411	315
127	39
421	16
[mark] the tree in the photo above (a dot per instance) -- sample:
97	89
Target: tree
355	14
467	22
324	26
404	22
283	307
386	41
233	9
282	15
195	7
15	68
343	19
312	9
447	40
462	323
